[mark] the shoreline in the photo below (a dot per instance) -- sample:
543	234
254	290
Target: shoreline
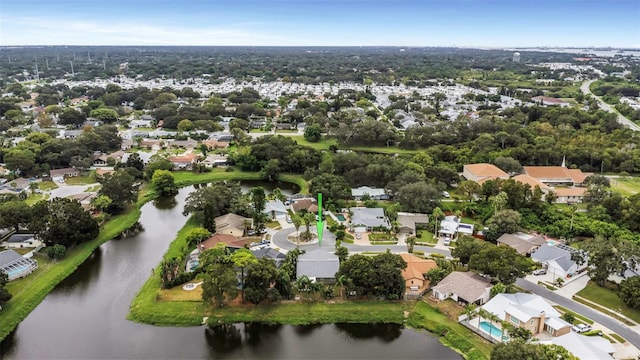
33	290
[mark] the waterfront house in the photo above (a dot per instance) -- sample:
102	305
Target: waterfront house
232	224
463	287
15	265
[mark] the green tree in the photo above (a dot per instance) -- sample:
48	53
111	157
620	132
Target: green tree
503	222
419	197
157	163
14	214
436	214
629	291
411	242
508	165
56	252
20	160
70	116
121	188
134	161
313	133
219	282
501	262
197	235
104	114
297	221
308	219
519	349
185	125
469	189
271	170
260	276
243	258
62	221
259	200
605	256
101	202
164	183
5	295
467	246
212	201
331	186
342	253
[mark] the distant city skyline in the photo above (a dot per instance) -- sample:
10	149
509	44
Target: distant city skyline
461	23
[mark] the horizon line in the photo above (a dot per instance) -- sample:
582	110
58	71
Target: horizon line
480	47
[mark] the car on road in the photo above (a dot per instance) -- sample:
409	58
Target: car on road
581	328
540	272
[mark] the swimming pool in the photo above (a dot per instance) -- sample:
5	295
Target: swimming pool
490	329
341	217
551	242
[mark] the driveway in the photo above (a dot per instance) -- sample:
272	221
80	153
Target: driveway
64	190
612	324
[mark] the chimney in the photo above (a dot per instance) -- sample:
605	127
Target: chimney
541	323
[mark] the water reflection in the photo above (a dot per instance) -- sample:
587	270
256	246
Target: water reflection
384	332
306	330
165	202
223	338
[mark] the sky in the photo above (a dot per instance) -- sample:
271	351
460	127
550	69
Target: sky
464	23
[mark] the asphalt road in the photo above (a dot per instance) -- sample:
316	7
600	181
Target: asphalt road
614	325
279	239
603	105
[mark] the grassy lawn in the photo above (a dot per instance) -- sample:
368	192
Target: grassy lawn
580	319
34	198
608	299
626	186
457	337
424	236
47	185
379	237
82	180
272	224
323	144
382	149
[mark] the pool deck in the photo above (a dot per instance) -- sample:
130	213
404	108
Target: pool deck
474	325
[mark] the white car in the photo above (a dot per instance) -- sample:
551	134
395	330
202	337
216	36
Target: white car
581	328
540	272
447	241
446	194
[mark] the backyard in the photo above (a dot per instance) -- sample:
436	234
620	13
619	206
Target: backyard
82	180
626	186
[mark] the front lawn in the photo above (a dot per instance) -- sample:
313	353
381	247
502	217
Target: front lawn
608	299
379	237
424	236
82	180
47	185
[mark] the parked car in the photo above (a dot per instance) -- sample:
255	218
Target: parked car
446	194
289	219
358	236
581	328
540	272
447	241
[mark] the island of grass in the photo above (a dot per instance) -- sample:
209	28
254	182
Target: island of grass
178	307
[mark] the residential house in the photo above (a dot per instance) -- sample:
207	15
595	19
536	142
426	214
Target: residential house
483	172
84	198
214	160
283	126
183	161
58	175
3	171
257	122
70	134
184	144
549	101
100	159
452	226
368	219
557	259
126	144
414	274
15	265
232	224
318	265
141	123
230	241
304	204
222	136
213	144
372	193
275	209
524	244
528	311
407	222
92	122
463	287
17	241
15	187
270	253
144	156
583	347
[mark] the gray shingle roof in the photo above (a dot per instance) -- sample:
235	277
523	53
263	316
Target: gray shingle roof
318	263
8	256
370	217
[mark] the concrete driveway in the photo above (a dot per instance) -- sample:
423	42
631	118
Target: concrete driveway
64	190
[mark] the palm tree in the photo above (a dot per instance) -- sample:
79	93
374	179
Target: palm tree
340	283
499	201
33	187
303	284
436	214
316	288
296	219
308	218
469	310
411	242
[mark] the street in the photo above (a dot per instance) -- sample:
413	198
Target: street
603	105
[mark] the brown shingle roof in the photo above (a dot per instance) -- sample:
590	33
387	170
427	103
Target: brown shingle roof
548	172
416	267
520	244
533	182
485	170
229	240
578	176
572	191
466	285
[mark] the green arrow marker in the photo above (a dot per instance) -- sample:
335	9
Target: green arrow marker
320	223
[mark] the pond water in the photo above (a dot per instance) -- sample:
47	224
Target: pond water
84	317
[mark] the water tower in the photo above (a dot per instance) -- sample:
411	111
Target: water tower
516	57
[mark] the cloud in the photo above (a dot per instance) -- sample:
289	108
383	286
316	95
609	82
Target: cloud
44	31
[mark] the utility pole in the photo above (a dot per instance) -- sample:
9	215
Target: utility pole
47	61
104	65
72	73
37	72
58	56
89	56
